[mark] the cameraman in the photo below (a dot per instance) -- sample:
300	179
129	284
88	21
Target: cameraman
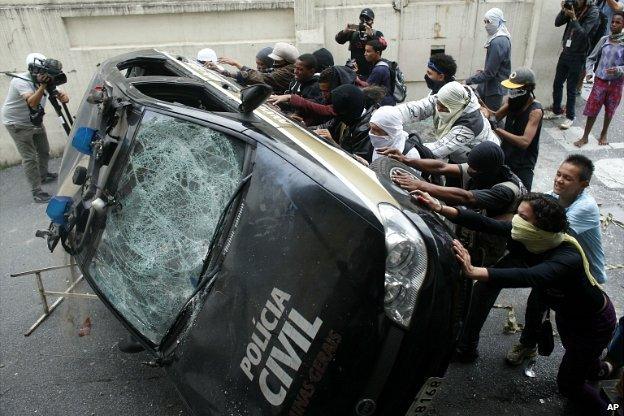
581	18
358	37
22	115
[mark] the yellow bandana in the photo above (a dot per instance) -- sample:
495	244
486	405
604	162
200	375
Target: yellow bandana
538	241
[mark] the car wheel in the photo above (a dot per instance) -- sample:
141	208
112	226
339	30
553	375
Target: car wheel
385	167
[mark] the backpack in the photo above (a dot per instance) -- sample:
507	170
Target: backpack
398	89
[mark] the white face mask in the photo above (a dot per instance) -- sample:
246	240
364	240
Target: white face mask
445	117
380	141
491	28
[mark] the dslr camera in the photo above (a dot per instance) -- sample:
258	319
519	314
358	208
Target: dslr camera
569	4
51	68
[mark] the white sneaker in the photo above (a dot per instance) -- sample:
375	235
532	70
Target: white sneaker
566	124
550	115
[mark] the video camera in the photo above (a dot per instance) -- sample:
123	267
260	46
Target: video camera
52	68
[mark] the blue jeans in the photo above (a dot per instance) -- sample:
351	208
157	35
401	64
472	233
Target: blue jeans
569	69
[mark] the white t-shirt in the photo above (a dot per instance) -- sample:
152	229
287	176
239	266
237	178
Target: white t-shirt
15	110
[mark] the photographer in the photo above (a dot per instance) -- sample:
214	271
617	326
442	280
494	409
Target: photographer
22	115
358	36
581	18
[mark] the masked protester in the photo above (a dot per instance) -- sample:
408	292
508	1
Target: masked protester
458	122
543	257
569	188
441	70
386	132
608	79
324	59
350	127
22	115
523	125
497	60
581	20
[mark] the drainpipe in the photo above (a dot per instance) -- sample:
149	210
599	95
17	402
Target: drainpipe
532	40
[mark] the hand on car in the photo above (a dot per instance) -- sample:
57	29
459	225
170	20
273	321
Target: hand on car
463	258
427	200
279	99
324	133
361	160
297	118
392	153
407	182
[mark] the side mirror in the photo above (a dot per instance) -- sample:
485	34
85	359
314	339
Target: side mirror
253	96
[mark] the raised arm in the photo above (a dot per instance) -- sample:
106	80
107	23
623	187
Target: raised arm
417	110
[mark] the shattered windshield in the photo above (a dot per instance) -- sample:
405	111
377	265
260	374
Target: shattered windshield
178	179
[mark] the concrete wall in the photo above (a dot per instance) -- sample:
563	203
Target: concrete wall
83	34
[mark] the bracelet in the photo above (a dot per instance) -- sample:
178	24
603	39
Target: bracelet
439	210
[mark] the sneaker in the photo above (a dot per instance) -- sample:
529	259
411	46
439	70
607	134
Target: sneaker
567	123
41	197
551	115
49	177
518	353
606	369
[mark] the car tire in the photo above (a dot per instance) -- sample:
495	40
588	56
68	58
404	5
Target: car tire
385	167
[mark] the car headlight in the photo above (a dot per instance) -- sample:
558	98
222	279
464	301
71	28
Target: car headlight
406	264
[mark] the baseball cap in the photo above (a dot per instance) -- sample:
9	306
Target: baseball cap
519	78
284	52
367	13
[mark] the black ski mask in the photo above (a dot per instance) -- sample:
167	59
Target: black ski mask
434	85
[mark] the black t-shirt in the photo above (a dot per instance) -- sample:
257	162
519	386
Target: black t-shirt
515	157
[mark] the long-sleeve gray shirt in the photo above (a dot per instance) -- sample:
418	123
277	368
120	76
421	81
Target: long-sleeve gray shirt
497	68
577	34
610	55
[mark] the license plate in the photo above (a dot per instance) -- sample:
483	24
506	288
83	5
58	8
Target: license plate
423	402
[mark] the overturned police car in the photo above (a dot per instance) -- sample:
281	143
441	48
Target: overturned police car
267	270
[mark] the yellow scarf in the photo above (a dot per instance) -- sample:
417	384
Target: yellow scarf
538	241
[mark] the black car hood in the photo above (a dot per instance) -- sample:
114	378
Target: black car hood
301	280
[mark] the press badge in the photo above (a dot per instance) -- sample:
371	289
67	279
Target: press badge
568	43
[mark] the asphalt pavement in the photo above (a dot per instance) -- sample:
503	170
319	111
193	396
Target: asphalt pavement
56	371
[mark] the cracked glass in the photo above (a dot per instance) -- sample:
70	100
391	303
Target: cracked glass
179	178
